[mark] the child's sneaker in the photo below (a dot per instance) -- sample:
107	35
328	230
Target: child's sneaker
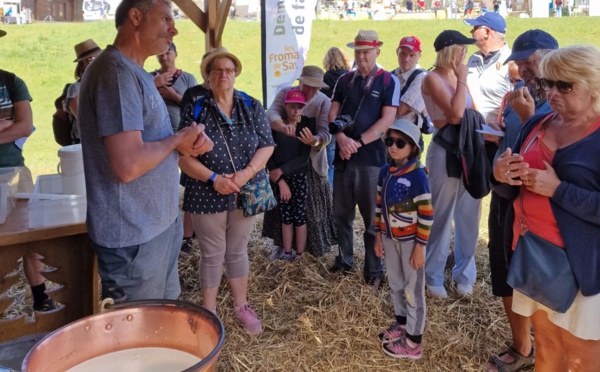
401	349
288	256
392	333
248	319
276	254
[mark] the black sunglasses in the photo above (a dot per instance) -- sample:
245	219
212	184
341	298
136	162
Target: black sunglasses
400	143
562	86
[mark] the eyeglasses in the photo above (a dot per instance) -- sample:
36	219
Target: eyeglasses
400	143
477	28
219	71
562	86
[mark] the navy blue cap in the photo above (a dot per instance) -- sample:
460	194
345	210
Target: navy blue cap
530	41
172	46
2	33
451	37
491	20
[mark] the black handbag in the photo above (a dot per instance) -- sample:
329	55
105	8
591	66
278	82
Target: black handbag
540	269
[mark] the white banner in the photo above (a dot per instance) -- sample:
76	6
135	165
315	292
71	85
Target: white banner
286	28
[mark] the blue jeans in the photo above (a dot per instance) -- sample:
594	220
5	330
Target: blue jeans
330	155
144	271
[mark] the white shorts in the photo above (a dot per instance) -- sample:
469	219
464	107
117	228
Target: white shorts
582	319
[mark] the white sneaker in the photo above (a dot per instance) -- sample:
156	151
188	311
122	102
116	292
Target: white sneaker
464	289
439	292
276	254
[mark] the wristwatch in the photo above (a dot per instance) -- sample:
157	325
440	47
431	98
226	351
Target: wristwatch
362	143
211	180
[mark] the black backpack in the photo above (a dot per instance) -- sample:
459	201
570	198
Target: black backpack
62	121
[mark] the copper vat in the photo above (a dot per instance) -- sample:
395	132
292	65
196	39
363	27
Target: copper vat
150	323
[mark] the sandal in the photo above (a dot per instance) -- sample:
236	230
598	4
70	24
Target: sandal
519	363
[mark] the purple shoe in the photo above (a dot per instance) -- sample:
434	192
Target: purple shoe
248	319
392	333
400	349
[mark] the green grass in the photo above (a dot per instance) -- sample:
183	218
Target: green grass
42	55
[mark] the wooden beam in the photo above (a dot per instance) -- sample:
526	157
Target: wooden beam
193	12
221	20
212	15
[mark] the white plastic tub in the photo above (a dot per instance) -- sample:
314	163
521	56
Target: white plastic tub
8	189
47	213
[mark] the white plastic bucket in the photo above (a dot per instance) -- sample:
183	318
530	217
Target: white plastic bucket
71	170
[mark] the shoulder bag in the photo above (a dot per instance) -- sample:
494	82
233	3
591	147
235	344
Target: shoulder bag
253	198
540	269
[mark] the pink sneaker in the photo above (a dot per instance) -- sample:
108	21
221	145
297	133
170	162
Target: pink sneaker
400	349
248	319
392	333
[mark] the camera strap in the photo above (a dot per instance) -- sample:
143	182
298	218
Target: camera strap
365	89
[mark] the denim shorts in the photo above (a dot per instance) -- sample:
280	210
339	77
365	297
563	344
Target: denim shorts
144	271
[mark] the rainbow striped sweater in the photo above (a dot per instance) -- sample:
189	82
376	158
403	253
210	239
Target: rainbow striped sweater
404	194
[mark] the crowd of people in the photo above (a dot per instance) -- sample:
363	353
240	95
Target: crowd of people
521	123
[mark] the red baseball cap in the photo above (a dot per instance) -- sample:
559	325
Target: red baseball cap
410	42
294	96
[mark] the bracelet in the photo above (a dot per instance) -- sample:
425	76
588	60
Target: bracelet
252	167
462	82
362	143
279	179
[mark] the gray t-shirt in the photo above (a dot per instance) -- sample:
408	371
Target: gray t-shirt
183	83
117	95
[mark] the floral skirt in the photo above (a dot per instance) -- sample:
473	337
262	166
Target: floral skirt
321	231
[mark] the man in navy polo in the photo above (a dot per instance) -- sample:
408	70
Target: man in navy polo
369	97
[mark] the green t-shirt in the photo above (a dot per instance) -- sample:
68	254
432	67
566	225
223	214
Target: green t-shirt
12	90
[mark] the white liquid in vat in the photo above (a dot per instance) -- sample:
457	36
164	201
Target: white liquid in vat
144	359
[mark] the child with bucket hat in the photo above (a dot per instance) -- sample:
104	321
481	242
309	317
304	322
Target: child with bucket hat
291	156
403	218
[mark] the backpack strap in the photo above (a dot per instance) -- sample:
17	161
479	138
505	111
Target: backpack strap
411	78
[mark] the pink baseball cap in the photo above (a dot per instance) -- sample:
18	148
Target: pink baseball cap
410	42
294	96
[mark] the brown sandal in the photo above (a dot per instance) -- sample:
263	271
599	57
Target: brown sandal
519	363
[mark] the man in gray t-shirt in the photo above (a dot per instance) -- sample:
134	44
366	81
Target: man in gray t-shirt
171	83
130	156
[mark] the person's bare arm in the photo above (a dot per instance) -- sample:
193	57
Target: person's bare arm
377	130
453	106
21	124
130	157
73	104
403	109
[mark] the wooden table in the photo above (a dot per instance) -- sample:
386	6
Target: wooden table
66	248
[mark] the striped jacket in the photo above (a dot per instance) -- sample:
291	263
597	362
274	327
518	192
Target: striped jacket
404	211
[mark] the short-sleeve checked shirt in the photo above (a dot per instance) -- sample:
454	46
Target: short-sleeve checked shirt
412	96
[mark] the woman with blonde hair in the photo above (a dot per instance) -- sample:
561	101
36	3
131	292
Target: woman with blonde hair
446	97
553	175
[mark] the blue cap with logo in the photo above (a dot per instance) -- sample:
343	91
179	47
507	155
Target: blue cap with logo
490	20
530	41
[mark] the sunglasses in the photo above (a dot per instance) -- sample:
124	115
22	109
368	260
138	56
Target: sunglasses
562	86
515	81
400	143
477	28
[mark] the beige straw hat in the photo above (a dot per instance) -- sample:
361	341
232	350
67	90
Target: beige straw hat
366	39
313	77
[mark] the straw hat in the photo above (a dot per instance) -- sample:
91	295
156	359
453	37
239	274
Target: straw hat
313	77
88	48
220	52
366	39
